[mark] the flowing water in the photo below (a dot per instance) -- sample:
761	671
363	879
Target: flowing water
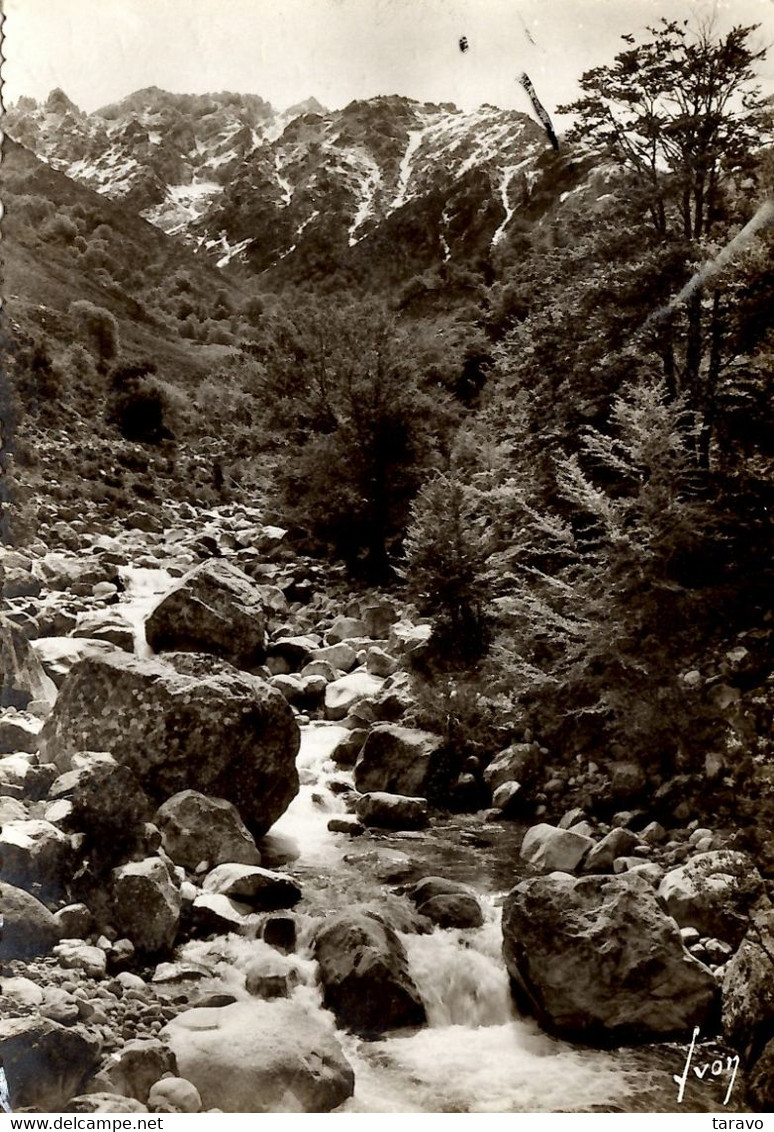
476	1054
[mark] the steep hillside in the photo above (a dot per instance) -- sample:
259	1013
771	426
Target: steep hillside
91	288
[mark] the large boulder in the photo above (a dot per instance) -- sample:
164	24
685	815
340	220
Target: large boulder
258	1056
195	828
214	608
748	989
58	655
260	888
106	798
345	693
146	904
548	848
36	855
45	1063
597	960
714	892
392	811
365	975
210	728
28	928
518	763
22	677
760	1081
396	759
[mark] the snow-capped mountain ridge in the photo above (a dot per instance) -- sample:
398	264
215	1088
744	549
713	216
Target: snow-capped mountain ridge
235	177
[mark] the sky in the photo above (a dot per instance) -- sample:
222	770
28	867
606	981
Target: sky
98	51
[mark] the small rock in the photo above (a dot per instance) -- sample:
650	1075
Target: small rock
392	811
551	849
174	1094
280	932
347	825
77	955
74	921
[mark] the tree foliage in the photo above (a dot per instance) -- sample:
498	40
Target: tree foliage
358	423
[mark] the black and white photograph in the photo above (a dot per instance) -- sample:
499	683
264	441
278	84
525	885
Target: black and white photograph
387	558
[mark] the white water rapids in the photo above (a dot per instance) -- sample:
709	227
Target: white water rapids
476	1054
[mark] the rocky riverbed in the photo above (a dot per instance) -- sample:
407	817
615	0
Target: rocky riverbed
228	884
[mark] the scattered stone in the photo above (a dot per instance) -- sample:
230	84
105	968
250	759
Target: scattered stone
58	655
45	1063
29	929
653	834
518	763
447	903
197	828
717	951
760	1081
104	1102
380	663
139	1063
551	849
627	779
213	914
597	960
392	811
295	651
343	694
106	798
271	977
106	625
262	889
748	989
571	818
280	932
21	991
348	748
74	921
21	673
36	856
348	825
365	975
19	732
257	1056
714	892
75	954
617	843
174	1094
59	1006
344	628
509	799
146	904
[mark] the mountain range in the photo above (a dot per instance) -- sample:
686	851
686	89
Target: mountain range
304	191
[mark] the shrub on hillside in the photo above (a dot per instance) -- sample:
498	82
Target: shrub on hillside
137	406
99	328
